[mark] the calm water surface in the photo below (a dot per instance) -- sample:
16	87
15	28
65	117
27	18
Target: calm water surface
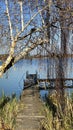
12	80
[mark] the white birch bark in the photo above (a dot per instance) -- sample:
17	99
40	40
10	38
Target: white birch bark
14	40
12	44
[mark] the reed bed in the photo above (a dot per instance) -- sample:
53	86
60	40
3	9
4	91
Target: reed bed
8	112
56	118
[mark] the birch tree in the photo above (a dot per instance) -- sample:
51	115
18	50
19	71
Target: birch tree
15	39
31	24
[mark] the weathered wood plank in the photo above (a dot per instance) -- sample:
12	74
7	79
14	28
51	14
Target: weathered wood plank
31	112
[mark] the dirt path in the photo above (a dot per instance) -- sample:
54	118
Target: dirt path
30	111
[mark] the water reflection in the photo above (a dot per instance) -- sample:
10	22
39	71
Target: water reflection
43	94
12	80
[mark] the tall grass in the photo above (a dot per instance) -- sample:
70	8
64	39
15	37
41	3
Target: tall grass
56	119
8	112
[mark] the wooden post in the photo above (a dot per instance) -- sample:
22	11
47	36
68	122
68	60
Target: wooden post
26	74
72	83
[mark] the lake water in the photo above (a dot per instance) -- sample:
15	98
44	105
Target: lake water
12	80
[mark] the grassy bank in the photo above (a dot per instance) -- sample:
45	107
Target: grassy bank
56	119
8	112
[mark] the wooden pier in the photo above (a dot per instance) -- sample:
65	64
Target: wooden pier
31	110
53	80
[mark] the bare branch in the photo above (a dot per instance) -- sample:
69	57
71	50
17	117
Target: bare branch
28	49
30	21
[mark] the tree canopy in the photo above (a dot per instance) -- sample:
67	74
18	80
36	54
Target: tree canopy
35	27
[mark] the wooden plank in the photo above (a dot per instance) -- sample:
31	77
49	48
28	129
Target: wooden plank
32	112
